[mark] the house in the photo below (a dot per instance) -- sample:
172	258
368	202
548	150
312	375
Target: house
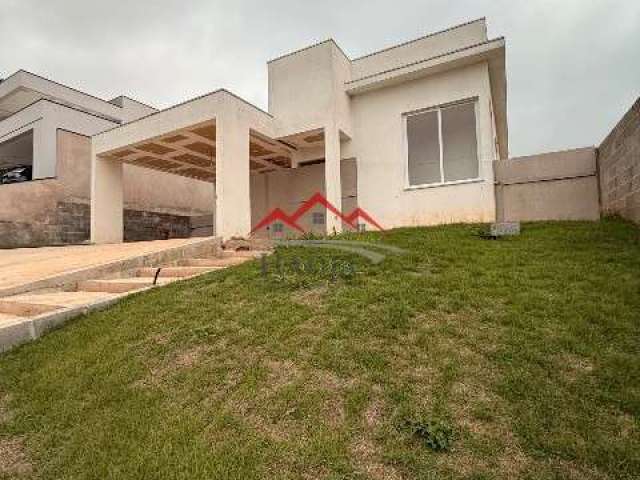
48	127
402	137
409	134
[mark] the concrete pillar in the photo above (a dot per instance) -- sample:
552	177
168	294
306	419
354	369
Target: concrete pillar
332	181
107	224
44	150
232	200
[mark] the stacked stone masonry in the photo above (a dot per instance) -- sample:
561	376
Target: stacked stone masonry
69	223
619	167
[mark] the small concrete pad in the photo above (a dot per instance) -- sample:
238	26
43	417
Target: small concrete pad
505	229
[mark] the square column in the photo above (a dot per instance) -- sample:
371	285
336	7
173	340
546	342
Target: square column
233	200
332	180
107	224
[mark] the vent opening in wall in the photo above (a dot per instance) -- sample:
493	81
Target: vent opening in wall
318	218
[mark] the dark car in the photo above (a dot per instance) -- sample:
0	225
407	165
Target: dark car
16	174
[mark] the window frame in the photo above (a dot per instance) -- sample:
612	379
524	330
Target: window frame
438	109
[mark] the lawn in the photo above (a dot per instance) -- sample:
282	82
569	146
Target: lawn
462	358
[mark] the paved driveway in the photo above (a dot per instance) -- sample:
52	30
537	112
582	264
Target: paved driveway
25	265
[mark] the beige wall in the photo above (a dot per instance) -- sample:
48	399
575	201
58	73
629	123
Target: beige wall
550	186
379	144
288	189
307	89
144	189
30	202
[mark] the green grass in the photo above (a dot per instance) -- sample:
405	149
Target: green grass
463	358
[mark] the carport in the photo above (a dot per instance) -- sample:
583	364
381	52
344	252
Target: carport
218	138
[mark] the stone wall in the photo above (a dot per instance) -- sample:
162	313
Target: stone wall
550	186
69	223
619	167
141	226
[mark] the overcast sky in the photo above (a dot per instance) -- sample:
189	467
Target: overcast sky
573	66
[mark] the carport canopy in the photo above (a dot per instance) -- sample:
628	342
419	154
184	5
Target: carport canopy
217	138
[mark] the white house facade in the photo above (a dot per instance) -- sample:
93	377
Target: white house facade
408	135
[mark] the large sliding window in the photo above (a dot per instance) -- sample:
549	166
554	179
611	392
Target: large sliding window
442	146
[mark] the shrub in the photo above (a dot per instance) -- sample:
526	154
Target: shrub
436	434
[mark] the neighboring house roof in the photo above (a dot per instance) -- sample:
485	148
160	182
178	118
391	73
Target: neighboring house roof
23	88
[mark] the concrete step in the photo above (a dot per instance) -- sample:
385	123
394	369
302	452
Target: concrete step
173	272
59	299
244	253
120	285
38	269
23	308
221	262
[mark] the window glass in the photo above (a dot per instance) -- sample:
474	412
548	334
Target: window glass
459	144
423	148
442	145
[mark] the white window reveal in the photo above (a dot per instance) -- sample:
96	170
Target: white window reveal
442	145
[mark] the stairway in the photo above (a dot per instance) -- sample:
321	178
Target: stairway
26	316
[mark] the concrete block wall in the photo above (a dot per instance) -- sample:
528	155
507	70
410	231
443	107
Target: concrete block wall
619	167
551	186
61	221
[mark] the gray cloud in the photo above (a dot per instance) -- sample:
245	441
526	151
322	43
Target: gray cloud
573	66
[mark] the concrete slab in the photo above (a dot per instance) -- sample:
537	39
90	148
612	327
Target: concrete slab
60	299
6	319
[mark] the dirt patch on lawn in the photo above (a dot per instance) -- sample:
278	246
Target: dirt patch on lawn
281	373
366	460
373	414
181	360
313	297
13	459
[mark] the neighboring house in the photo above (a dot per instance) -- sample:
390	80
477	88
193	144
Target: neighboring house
48	127
409	134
